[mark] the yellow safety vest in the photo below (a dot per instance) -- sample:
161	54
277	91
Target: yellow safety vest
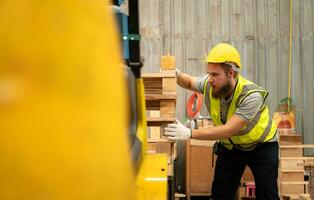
259	130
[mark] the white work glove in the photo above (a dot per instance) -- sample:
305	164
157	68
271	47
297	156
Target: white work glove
178	72
177	131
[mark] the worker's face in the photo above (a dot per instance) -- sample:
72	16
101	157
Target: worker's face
219	80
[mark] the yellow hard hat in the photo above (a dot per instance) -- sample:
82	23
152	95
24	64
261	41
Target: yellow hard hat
222	53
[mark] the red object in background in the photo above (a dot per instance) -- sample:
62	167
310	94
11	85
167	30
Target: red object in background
194	105
284	124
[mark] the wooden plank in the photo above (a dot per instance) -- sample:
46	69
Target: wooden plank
295	196
291	139
292	175
160	119
167	62
291	188
163	74
153	91
289	170
154	131
208	143
294	182
290	152
286	164
298	146
297	158
201	169
287	132
161	140
158	97
307	163
304	197
160	122
169	85
152	105
167	108
152	83
168	73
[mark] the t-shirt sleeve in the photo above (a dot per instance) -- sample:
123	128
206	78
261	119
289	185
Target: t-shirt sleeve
250	106
200	83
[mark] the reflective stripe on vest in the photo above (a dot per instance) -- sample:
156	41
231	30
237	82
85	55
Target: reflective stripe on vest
260	129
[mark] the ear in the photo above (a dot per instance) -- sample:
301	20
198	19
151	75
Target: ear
231	73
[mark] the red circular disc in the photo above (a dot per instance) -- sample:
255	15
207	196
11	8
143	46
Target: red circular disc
195	99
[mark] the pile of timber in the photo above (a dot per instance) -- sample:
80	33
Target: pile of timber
291	182
160	98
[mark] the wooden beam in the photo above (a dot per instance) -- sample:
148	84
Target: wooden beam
297	158
163	74
297	146
151	97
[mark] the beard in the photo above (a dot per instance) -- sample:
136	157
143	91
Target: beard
223	92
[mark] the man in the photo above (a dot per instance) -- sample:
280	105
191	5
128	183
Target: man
243	125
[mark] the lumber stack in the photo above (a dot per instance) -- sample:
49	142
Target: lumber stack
160	98
291	165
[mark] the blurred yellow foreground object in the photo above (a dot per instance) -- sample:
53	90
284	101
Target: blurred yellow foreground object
63	126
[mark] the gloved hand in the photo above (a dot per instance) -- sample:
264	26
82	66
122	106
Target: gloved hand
177	131
178	72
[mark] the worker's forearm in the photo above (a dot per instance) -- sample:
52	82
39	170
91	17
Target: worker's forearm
231	128
186	81
213	133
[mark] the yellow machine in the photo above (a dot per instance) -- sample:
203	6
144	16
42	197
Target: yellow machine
151	180
63	104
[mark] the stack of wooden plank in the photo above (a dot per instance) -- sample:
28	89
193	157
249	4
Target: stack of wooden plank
161	96
291	169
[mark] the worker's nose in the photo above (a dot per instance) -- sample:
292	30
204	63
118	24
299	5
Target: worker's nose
210	79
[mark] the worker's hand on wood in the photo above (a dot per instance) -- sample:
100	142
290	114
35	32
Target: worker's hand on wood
178	72
177	131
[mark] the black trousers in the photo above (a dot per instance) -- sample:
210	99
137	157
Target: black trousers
230	165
